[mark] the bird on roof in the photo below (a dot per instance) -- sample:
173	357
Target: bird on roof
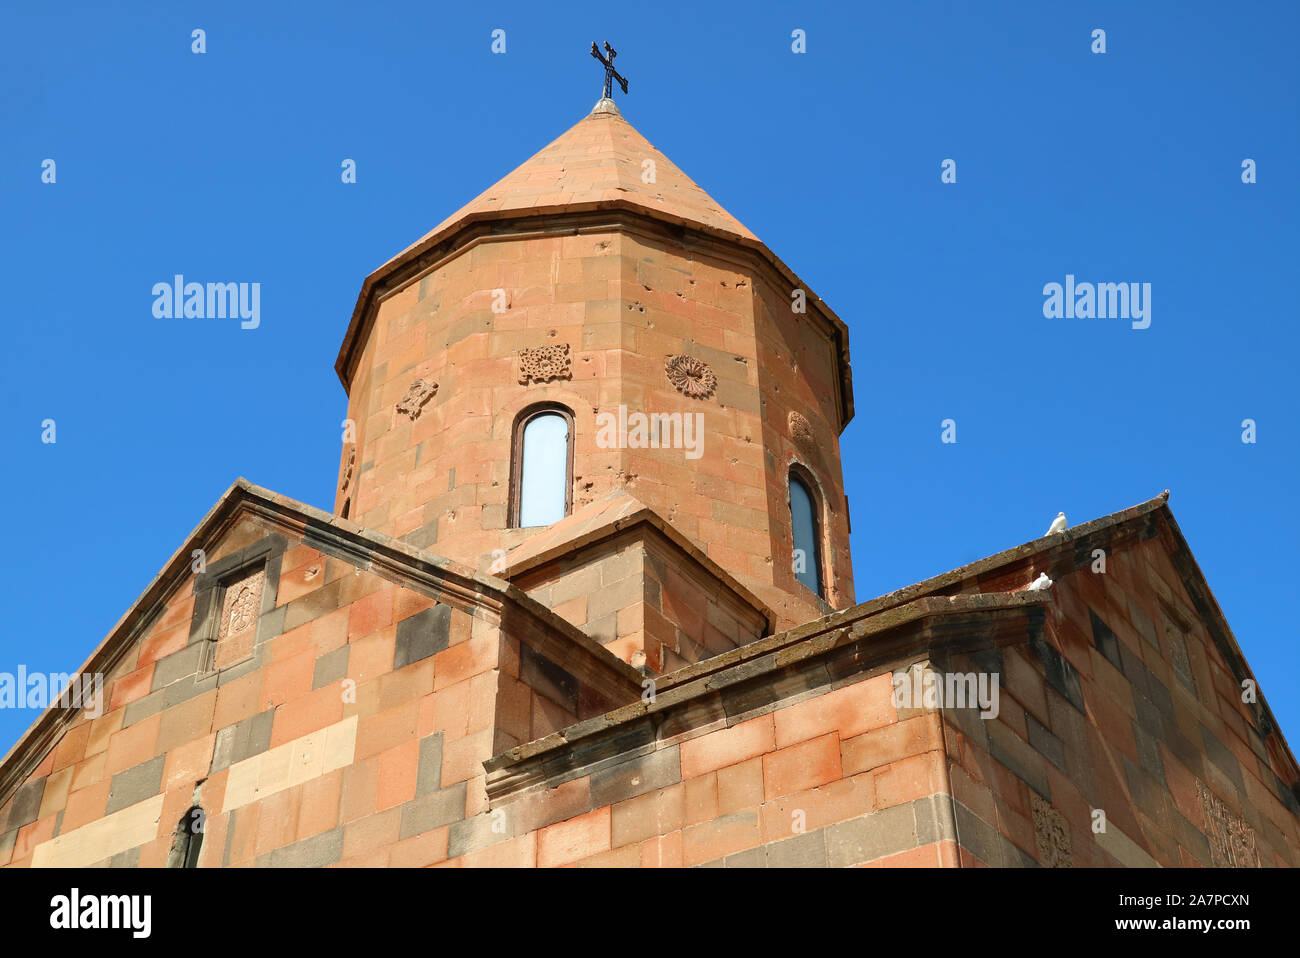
1039	584
1058	525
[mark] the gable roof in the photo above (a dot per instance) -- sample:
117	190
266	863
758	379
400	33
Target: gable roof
365	548
989	588
1058	555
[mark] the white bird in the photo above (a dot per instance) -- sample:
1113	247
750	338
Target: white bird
1042	582
1058	525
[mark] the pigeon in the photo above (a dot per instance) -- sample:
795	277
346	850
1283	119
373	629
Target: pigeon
1058	525
1039	584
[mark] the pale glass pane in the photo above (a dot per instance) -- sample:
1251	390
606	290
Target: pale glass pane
544	479
808	566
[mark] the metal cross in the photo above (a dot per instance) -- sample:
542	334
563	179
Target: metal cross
610	72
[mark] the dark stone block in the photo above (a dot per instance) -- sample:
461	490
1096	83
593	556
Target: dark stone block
259	734
1061	675
423	537
986	843
143	708
629	779
1190	755
243	740
313	605
186	689
315	852
1045	742
753	858
127	859
429	775
805	851
1150	796
478	832
1148	751
1148	716
178	665
743	699
135	784
1160	695
230	837
1191	838
26	804
271	624
422	635
1105	640
869	837
330	667
1222	756
546	678
203	618
1019	758
434	810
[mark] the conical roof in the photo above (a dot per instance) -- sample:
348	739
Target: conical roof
598	163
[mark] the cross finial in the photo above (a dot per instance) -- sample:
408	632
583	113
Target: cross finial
610	73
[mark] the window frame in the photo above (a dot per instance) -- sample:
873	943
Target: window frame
525	416
801	474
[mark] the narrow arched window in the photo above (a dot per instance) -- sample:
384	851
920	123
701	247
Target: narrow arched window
188	840
804	514
542	470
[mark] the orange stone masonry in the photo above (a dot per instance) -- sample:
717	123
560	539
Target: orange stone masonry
407	681
582	252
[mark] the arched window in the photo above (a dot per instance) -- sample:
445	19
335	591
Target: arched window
804	515
542	466
188	840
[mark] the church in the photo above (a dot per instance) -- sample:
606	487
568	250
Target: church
585	597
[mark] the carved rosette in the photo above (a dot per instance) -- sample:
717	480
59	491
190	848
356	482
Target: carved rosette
419	393
542	364
690	376
1232	841
1051	834
801	431
347	470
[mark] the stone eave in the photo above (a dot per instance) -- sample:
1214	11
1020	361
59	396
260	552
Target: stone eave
1064	552
1056	554
390	558
451	238
849	642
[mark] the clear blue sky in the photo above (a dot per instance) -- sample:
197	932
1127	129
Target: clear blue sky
1122	167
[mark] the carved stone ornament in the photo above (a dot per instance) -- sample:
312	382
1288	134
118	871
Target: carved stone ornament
241	605
347	470
1052	835
690	376
542	364
412	404
1232	841
801	431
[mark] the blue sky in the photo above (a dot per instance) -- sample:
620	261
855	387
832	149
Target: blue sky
1115	167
